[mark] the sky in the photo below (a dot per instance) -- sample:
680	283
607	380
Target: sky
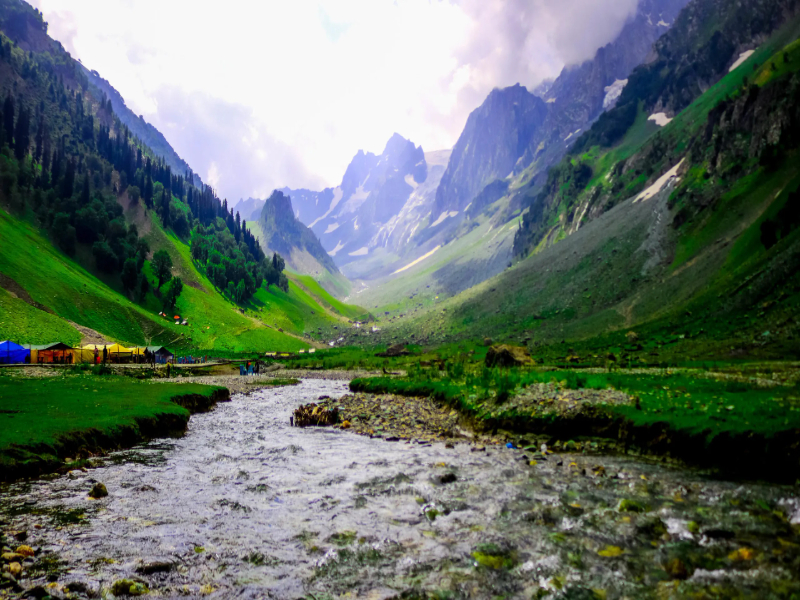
261	94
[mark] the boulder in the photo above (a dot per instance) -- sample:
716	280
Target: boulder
98	491
507	356
314	415
394	350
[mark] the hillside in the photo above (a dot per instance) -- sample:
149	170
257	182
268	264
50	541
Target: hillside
146	132
684	240
280	231
86	208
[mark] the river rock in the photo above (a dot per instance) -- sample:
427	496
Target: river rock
129	587
38	591
25	551
314	415
155	567
98	491
507	356
8	557
15	569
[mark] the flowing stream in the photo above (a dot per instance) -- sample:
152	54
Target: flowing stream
246	506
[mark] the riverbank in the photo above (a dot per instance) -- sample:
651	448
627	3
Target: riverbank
58	422
743	430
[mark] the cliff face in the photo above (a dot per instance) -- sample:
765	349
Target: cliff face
495	136
514	129
284	234
378	194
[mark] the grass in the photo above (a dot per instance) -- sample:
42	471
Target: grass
696	404
320	295
24	324
36	415
73	293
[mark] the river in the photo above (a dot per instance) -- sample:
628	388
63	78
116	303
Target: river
246	506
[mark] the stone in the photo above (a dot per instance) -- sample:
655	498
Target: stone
38	592
314	415
15	569
98	491
128	587
488	341
448	478
394	350
676	569
8	557
25	551
626	505
155	567
505	355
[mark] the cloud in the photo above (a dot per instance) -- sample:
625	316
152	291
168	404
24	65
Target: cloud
228	147
285	93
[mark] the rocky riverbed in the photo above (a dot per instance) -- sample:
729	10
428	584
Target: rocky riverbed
246	506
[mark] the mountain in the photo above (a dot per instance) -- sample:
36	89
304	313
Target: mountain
672	229
708	40
514	128
149	135
281	232
362	214
495	136
249	209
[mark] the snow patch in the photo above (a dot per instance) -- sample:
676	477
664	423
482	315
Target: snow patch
661	119
443	216
660	183
416	262
360	252
740	61
409	179
356	200
662	23
613	93
332	227
339	246
572	134
551	101
337	196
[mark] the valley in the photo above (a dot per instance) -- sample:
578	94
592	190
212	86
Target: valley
559	359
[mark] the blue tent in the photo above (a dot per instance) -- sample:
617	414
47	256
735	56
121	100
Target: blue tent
13	353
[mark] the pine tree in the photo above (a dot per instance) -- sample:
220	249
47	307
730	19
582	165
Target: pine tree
8	119
22	137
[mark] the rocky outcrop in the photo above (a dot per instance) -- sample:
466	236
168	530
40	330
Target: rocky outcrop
515	128
283	233
507	356
494	138
376	201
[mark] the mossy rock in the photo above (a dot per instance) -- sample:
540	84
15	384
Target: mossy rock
627	505
129	587
493	557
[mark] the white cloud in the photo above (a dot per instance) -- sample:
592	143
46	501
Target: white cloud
280	93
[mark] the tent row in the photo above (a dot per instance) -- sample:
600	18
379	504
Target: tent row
60	353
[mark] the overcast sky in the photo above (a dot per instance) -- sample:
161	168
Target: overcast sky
260	94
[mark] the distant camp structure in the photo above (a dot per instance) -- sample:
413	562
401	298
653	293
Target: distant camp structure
61	353
11	353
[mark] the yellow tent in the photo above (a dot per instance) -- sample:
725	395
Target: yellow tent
115	353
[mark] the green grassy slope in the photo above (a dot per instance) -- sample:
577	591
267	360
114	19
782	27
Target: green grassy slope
71	292
706	285
321	295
